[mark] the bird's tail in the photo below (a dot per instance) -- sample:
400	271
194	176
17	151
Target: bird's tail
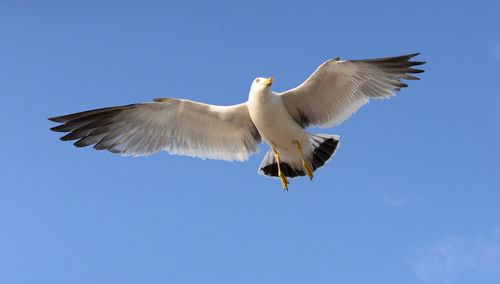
324	147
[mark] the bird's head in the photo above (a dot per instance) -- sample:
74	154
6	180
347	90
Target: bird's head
262	83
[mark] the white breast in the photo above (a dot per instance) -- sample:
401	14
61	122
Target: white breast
275	124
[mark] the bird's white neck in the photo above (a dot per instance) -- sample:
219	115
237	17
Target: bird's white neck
260	94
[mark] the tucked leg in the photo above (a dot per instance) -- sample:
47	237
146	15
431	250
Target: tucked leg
284	180
307	167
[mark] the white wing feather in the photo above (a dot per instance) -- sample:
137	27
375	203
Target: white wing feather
338	88
177	126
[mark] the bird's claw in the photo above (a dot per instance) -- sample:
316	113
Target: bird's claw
308	169
284	181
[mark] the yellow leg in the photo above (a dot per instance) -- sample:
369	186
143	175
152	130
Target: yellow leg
284	180
307	167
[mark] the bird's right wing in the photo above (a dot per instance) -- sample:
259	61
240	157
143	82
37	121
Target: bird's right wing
338	88
177	126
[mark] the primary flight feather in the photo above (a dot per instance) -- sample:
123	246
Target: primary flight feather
336	90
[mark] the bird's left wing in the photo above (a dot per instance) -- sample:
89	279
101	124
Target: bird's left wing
338	88
177	126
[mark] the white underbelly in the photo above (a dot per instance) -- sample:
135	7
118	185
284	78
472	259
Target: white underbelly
278	128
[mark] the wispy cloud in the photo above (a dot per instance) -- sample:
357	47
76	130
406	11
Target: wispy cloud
455	259
392	197
394	201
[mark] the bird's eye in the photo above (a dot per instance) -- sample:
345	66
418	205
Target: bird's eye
257	80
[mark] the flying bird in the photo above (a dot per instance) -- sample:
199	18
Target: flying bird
330	95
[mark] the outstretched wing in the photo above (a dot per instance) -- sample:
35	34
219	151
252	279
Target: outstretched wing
177	126
338	88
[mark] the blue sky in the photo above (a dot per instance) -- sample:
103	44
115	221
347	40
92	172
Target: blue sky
411	196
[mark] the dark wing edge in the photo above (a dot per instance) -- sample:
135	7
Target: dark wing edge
87	126
400	66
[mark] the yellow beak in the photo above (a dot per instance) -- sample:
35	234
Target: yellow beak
269	81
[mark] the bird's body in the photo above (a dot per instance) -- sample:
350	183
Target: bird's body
276	126
330	95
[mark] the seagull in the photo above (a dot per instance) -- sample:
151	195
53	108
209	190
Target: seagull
331	94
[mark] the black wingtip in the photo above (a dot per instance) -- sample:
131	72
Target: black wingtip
68	137
408	56
55	119
78	145
405	58
416	71
417	63
59	128
81	143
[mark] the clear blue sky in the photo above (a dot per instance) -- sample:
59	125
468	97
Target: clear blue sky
411	196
